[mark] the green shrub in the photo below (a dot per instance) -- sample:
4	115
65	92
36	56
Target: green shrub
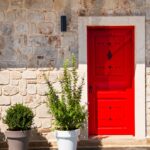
19	117
65	106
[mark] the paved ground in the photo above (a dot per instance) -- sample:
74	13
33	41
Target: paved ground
142	148
118	148
148	148
106	149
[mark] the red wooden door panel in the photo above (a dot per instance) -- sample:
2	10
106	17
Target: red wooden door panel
111	80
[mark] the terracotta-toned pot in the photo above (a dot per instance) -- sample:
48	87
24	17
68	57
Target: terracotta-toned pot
18	140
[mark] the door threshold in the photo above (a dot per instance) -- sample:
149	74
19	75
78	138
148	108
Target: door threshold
112	137
120	141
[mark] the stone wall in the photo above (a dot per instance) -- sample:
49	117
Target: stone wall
26	86
31	44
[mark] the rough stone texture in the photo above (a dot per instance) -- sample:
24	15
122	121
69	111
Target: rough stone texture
45	28
57	86
35	16
32	27
46	123
37	122
38	41
14	82
41	89
54	75
6	28
4	4
0	91
28	99
2	15
15	15
59	5
42	99
22	28
33	104
16	99
34	4
42	111
29	75
4	77
10	90
31	89
31	81
15	75
2	42
22	87
41	76
50	135
19	41
17	3
48	4
5	100
42	17
51	16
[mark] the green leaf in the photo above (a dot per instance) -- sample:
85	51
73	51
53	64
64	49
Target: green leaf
68	113
19	117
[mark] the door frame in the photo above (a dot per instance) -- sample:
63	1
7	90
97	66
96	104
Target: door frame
139	23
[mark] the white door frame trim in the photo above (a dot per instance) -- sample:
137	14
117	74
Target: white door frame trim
139	23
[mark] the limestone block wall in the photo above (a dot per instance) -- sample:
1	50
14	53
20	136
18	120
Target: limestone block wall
31	44
26	86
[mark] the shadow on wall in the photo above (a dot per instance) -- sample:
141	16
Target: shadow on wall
38	140
2	136
3	144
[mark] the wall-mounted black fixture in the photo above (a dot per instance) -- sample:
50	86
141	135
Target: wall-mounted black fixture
63	23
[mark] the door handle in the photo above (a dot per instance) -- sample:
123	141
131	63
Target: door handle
90	89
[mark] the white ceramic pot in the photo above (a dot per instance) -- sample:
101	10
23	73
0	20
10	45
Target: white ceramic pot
67	140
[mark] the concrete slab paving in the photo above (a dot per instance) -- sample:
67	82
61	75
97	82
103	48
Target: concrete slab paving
118	148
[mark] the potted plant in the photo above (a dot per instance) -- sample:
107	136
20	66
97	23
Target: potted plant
69	115
19	120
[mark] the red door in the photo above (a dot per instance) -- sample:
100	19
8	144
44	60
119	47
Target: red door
111	80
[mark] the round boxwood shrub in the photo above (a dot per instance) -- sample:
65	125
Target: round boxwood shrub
19	117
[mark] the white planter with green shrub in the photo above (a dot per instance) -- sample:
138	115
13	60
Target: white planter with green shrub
65	106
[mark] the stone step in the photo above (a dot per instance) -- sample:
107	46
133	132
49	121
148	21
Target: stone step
108	143
99	148
96	148
93	148
116	148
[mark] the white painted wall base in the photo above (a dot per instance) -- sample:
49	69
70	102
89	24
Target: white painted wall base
139	23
